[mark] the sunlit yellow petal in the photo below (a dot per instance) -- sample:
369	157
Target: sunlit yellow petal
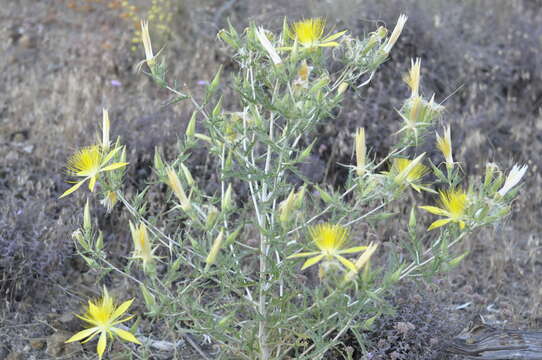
335	36
72	189
312	261
114	166
439	223
126	335
82	334
352	250
102	342
328	44
304	254
92	183
121	309
349	264
435	210
123	320
110	155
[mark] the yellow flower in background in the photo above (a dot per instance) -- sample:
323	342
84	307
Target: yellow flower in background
454	204
102	315
404	171
88	163
310	34
444	144
330	240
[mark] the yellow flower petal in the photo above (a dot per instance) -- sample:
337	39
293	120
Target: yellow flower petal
312	261
352	250
435	210
110	155
439	223
83	334
121	309
92	183
349	264
126	335
329	44
114	166
123	320
312	253
334	36
102	342
72	189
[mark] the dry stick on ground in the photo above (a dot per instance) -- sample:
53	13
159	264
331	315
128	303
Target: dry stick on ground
482	341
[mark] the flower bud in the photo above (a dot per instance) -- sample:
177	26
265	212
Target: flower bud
396	33
227	199
215	248
105	130
361	151
175	184
187	175
87	224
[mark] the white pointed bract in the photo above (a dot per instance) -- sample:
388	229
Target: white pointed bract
260	34
396	32
513	178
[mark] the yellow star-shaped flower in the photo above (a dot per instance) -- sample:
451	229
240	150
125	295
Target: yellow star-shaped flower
454	204
309	33
88	163
330	240
103	315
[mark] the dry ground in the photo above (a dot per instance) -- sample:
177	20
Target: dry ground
62	61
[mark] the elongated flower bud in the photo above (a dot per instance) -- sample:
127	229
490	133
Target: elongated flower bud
217	244
286	207
145	37
142	245
413	77
87	224
513	178
109	200
444	144
361	261
212	215
175	184
262	38
105	130
191	127
227	199
361	151
396	32
187	175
